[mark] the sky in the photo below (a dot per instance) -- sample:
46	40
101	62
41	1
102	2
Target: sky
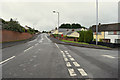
39	14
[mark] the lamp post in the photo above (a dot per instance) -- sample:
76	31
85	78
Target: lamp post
58	17
96	22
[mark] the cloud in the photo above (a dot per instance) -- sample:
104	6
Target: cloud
40	15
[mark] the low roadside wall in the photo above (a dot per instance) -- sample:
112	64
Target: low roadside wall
8	36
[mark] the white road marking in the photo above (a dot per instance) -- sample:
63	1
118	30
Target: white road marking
7	60
64	55
31	59
57	46
66	51
76	64
28	48
47	38
36	44
68	64
24	69
82	72
72	72
34	56
108	56
69	56
65	59
62	52
72	59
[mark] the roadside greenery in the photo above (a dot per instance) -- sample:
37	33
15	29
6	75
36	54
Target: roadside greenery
74	42
12	25
15	26
85	36
84	43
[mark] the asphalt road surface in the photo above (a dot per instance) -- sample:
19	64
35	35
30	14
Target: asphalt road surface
41	58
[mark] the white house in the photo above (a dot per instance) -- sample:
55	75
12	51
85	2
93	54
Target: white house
109	32
113	36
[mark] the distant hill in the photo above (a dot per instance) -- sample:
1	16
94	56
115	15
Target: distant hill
71	26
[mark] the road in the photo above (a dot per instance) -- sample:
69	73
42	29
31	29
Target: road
41	58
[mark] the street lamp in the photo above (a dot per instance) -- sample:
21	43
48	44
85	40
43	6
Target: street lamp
58	17
96	22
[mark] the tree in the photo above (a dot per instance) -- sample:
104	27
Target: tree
85	36
81	36
88	36
71	26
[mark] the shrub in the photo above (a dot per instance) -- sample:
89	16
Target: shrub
81	36
85	36
12	25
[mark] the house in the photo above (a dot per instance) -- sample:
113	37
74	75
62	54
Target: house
68	32
73	34
107	32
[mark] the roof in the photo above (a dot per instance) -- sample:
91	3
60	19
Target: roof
107	27
73	34
69	32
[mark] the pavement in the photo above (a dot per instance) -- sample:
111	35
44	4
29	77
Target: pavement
42	58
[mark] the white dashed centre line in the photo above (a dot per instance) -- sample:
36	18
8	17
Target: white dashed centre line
76	64
7	60
68	64
28	49
82	72
72	72
72	59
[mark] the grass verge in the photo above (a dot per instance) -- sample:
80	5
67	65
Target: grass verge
84	43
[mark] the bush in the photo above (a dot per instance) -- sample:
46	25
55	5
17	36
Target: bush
100	40
12	25
85	36
88	36
81	36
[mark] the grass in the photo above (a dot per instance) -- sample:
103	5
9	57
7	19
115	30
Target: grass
84	43
74	42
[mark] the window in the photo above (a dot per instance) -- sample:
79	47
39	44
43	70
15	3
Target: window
114	33
117	40
118	32
110	32
99	33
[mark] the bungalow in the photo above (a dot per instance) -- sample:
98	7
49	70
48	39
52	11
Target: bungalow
67	31
107	32
73	34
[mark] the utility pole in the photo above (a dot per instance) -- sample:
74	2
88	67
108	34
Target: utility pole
96	22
